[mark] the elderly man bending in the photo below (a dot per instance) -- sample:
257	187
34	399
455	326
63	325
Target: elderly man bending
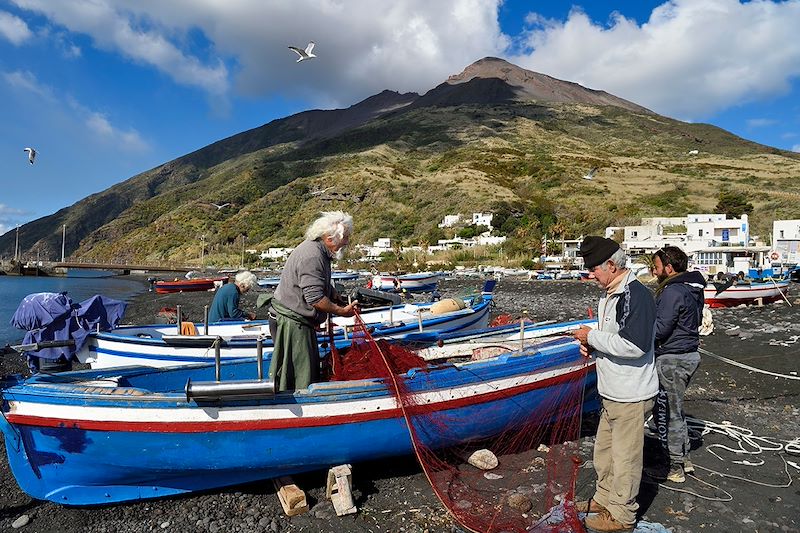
626	380
225	305
303	300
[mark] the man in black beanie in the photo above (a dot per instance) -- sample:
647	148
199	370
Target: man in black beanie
627	383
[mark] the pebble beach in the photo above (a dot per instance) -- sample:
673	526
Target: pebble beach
392	496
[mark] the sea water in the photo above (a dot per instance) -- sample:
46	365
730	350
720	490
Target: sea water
79	285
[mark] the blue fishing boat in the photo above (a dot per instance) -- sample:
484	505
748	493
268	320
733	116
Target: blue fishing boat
95	437
344	275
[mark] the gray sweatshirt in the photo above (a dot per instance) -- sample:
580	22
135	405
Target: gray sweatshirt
305	280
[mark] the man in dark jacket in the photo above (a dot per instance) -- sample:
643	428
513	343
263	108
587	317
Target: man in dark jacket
679	313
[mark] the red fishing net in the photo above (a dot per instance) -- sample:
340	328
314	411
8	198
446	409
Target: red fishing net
496	438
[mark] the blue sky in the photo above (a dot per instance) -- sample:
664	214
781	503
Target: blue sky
105	89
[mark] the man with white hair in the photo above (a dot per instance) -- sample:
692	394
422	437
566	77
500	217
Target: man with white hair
627	383
303	300
226	301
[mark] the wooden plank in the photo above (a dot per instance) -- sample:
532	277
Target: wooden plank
292	498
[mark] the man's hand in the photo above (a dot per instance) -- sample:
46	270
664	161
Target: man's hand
349	310
585	351
582	335
251	315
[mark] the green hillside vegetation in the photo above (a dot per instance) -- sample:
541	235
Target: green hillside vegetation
400	173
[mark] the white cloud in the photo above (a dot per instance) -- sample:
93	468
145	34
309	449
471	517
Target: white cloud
761	122
129	140
796	148
690	59
94	121
9	217
26	81
363	46
14	28
133	33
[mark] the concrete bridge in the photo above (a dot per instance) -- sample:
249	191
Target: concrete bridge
124	267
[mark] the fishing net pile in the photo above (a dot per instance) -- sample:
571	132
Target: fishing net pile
504	458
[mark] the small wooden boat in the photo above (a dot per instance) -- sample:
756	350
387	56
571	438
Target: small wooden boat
729	295
186	285
419	282
97	437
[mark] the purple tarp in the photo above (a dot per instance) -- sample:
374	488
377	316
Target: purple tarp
52	316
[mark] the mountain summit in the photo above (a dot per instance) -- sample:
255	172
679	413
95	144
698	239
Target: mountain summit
495	137
529	85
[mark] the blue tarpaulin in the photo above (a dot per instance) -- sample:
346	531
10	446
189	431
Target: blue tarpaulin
52	316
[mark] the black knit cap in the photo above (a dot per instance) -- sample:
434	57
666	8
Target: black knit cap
596	250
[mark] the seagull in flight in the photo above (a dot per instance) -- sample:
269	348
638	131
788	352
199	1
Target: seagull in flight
589	175
304	54
31	154
219	207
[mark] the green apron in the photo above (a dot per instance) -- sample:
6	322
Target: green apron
295	358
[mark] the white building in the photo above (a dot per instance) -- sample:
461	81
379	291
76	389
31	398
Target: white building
478	219
483	219
713	242
276	253
488	240
785	241
702	231
450	220
370	253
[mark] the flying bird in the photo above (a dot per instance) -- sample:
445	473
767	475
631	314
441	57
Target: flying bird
589	175
31	154
304	54
220	206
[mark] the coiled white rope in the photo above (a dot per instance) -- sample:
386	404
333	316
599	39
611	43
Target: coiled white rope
748	444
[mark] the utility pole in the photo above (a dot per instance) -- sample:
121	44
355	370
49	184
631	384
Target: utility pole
203	252
63	240
242	263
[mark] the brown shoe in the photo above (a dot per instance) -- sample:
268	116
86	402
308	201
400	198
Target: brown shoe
603	522
676	474
589	506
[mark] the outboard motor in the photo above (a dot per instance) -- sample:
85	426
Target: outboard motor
372	298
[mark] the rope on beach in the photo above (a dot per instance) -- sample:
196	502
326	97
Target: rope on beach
746	367
728	496
748	444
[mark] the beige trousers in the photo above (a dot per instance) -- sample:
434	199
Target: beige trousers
618	456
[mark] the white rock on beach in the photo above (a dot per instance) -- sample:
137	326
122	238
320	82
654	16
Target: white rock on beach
22	521
483	459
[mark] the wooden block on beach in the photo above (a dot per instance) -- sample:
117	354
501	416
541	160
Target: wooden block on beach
292	498
339	490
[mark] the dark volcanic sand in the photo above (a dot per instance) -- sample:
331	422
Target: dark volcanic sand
393	495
